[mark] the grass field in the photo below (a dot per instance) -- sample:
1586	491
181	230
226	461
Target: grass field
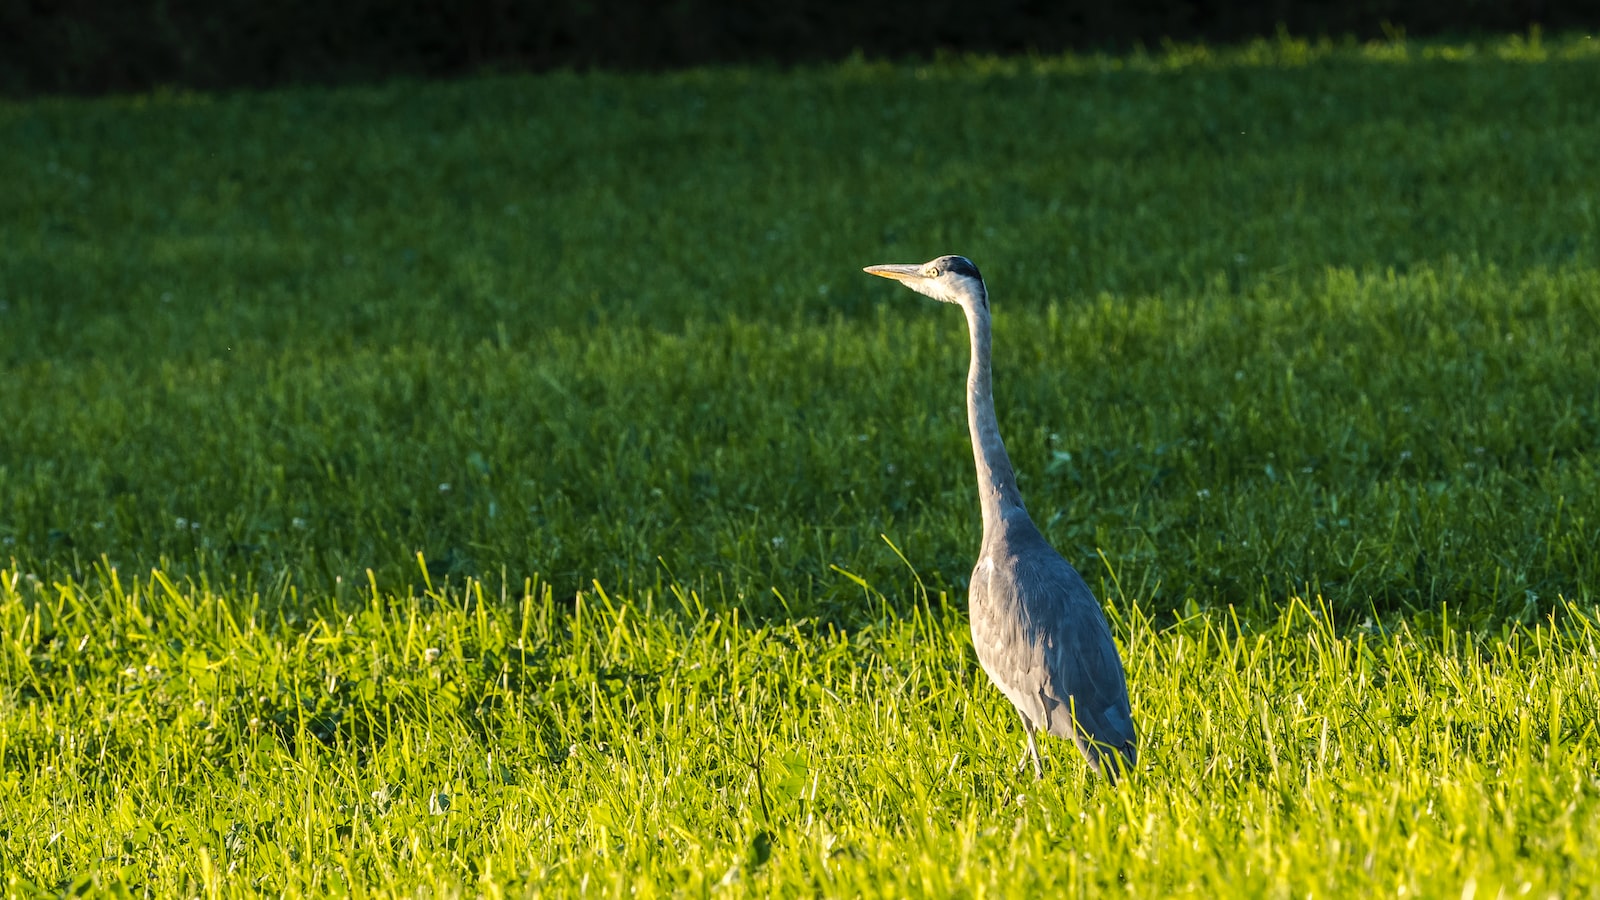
514	486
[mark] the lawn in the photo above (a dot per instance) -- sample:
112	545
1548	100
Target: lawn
513	485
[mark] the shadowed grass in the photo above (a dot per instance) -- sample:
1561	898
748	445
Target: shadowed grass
1290	317
1393	443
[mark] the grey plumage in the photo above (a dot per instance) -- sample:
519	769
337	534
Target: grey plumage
1038	630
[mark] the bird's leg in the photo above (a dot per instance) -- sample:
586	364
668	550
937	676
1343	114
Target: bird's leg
1027	729
1030	750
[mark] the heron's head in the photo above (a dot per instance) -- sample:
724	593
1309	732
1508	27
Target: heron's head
952	279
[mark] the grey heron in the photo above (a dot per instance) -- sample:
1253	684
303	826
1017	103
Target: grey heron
1037	628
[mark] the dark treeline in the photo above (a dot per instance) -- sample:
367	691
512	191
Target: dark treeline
92	46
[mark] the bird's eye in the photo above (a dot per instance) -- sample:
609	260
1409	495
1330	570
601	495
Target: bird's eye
932	272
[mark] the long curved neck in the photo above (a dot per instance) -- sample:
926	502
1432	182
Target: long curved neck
997	483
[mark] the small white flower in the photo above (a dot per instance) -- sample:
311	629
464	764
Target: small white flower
431	655
1203	493
444	487
1405	455
297	522
181	522
777	542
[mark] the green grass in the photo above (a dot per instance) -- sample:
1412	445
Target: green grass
514	485
179	741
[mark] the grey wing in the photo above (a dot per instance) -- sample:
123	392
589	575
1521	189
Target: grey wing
1063	661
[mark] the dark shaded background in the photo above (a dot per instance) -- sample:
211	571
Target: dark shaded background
96	46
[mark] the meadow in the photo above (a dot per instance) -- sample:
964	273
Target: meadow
513	486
